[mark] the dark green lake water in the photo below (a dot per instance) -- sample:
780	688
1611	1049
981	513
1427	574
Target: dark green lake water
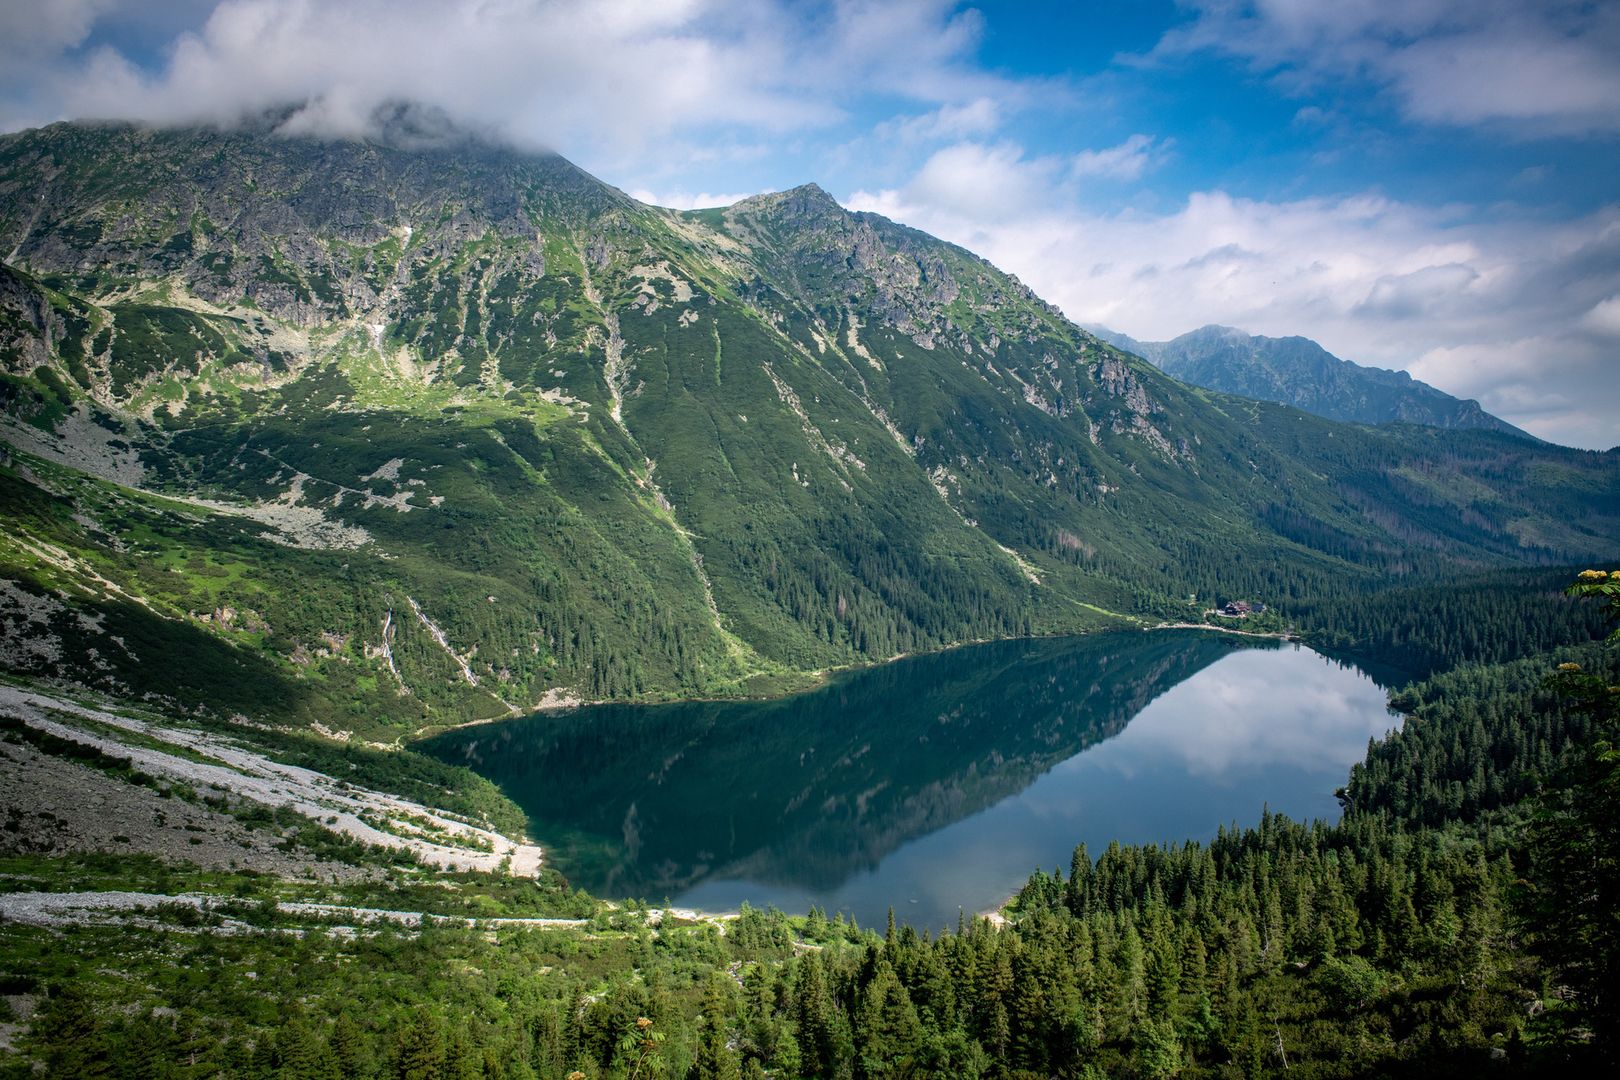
933	784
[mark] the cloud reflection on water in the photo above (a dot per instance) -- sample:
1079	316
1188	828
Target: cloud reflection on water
1273	728
1250	711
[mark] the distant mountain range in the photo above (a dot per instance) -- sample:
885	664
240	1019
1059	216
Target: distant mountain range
1297	371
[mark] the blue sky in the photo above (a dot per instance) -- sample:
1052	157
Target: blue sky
1431	185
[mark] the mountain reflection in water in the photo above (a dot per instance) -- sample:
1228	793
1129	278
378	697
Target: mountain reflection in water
933	783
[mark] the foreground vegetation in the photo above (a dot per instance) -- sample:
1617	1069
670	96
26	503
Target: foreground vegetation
1458	918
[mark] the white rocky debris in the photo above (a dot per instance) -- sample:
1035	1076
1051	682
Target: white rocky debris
853	336
69	908
386	649
79	443
660	272
841	455
26	639
388	470
454	844
296	526
1023	564
86	446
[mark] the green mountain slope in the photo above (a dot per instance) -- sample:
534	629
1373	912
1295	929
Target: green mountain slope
369	434
1297	371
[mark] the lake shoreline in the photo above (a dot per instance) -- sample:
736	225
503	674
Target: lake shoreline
566	702
1273	635
856	797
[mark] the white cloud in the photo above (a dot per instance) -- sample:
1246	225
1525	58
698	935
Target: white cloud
1499	370
33	39
1313	116
1227	720
1604	318
1421	293
31	32
981	116
1541	67
1520	315
1544	382
989	183
1127	161
541	72
998	183
682	200
599	79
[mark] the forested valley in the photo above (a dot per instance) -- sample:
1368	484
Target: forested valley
1457	919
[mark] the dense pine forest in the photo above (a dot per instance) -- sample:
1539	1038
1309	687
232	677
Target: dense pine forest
1458	918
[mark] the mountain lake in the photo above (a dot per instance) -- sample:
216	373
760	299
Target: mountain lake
934	784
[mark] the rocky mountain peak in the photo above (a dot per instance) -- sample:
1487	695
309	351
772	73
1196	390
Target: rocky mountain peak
805	206
1300	372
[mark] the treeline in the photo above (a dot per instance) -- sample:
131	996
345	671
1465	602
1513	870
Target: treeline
1478	739
1343	949
1438	625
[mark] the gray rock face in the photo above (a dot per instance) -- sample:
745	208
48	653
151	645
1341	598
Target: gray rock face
29	328
911	280
274	221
